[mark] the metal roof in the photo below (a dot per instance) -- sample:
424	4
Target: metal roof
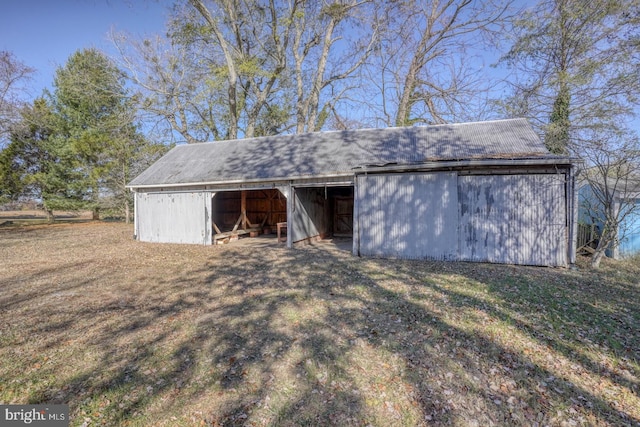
341	153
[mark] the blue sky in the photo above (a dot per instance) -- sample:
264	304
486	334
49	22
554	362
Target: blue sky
44	33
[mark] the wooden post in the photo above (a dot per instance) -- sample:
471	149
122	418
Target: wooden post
215	227
243	208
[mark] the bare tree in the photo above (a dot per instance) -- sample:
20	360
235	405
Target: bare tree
575	68
174	87
610	189
13	75
423	68
321	73
239	68
217	72
323	42
248	41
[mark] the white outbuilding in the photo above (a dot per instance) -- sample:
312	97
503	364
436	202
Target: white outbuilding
484	191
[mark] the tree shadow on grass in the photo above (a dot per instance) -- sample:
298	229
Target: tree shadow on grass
566	321
316	337
529	387
370	316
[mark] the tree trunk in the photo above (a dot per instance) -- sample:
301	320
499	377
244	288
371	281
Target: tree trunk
314	95
403	115
597	258
232	78
557	137
127	212
95	214
605	240
50	217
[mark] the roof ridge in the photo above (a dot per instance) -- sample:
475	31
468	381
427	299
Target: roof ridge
327	132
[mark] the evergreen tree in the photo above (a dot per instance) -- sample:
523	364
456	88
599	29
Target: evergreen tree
89	92
98	119
39	164
79	150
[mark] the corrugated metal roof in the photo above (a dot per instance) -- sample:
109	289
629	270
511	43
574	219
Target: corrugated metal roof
340	152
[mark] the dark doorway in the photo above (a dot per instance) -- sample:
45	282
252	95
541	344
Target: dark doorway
341	215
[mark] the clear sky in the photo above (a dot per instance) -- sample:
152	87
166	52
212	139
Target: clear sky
44	33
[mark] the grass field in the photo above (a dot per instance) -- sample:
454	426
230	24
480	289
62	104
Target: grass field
38	217
137	334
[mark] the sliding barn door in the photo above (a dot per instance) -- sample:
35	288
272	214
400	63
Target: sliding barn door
513	219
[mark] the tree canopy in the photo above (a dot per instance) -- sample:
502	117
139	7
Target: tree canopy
578	83
77	148
14	77
229	69
576	69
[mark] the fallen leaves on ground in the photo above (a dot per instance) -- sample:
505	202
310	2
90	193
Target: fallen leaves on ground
252	333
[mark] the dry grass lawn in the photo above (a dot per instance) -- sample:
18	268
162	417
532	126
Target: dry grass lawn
138	334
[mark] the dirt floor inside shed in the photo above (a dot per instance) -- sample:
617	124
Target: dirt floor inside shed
138	334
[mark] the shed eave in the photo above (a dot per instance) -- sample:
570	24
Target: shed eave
240	181
564	161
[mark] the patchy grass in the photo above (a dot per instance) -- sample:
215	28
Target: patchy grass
138	334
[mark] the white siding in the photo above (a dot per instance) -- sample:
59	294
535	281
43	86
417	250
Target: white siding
174	217
411	215
513	219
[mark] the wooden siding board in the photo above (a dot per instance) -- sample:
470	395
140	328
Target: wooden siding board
513	219
407	216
